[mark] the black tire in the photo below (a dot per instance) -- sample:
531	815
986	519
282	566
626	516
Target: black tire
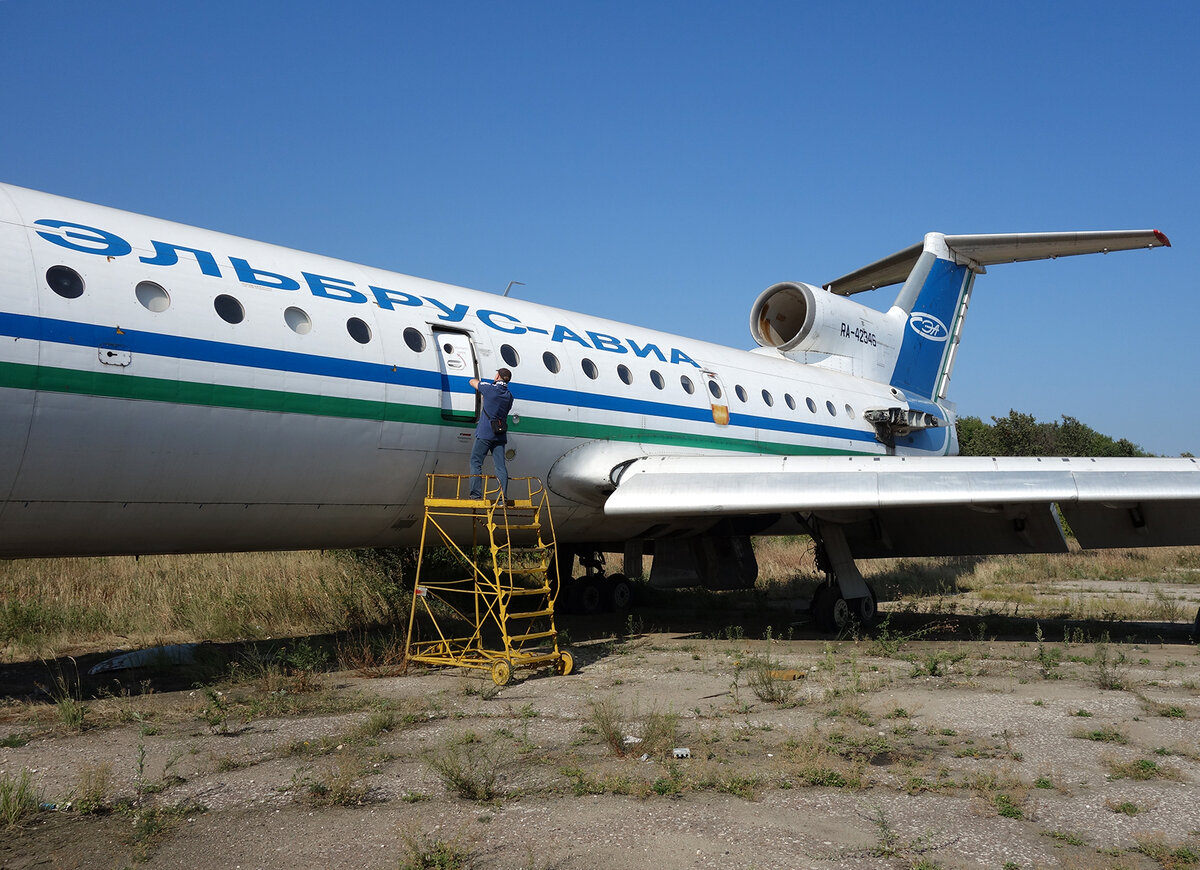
865	610
589	597
620	593
831	612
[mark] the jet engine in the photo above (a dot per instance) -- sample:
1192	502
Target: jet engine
797	318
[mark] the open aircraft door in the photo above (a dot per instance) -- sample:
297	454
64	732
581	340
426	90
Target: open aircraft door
456	358
717	398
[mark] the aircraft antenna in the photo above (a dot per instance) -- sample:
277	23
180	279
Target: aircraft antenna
510	286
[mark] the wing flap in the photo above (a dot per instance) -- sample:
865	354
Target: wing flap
932	505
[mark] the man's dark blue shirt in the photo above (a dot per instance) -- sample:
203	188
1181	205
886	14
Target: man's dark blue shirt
497	402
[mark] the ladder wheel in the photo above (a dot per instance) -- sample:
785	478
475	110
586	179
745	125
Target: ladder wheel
565	664
501	673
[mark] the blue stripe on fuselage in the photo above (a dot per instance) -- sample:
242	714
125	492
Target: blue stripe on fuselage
205	350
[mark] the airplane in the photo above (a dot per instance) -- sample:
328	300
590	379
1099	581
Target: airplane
171	389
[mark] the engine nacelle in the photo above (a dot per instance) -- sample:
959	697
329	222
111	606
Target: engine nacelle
799	319
790	316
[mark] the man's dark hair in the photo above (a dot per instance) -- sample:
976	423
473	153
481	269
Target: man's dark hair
504	375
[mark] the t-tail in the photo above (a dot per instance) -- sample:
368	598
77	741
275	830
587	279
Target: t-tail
938	277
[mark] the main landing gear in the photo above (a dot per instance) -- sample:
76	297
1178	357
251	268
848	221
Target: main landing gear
595	591
844	597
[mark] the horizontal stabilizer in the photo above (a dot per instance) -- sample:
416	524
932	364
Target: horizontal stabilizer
978	251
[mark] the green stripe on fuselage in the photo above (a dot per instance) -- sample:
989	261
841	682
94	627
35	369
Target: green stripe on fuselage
126	386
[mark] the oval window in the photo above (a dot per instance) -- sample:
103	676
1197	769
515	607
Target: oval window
358	329
590	369
229	309
849	412
768	399
686	383
715	389
414	339
741	392
625	374
509	354
832	410
551	362
65	281
152	296
812	406
297	320
657	379
791	403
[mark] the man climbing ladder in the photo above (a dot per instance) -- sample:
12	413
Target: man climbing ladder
491	435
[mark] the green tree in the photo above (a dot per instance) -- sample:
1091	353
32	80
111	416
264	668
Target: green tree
1022	435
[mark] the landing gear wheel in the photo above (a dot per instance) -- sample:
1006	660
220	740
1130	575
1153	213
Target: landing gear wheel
830	610
589	600
620	593
565	664
501	673
866	609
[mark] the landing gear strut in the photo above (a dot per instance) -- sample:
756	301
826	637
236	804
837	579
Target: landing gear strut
844	596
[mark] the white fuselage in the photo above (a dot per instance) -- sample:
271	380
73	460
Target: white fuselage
136	418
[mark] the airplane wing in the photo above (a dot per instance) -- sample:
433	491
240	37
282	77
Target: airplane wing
910	506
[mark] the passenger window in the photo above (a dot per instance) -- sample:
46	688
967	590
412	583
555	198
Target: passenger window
509	354
686	383
791	403
416	341
358	329
741	392
812	406
152	296
715	389
657	379
832	410
551	362
849	412
590	369
229	309
767	398
625	374
65	281
297	321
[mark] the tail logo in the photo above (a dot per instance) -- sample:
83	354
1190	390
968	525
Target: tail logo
928	326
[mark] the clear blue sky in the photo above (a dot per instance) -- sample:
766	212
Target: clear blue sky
664	162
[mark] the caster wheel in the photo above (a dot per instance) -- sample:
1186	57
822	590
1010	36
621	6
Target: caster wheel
565	664
501	673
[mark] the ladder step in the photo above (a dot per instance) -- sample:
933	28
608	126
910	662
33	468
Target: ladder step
532	614
521	590
536	635
523	572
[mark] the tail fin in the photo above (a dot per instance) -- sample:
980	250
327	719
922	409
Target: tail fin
933	302
940	274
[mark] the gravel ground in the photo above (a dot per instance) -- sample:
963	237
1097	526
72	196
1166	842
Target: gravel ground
919	753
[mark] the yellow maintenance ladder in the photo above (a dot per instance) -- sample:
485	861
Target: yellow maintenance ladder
501	615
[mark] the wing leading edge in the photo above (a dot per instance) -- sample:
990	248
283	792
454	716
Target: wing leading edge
908	506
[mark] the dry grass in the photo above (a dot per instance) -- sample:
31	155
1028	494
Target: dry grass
1161	585
53	606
